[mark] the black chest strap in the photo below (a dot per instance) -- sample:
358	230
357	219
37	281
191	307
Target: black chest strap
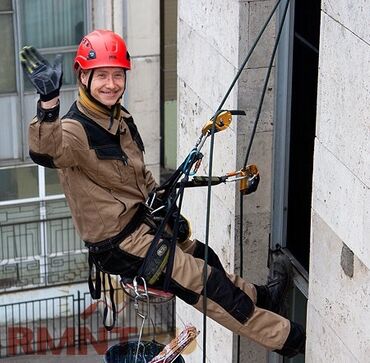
105	144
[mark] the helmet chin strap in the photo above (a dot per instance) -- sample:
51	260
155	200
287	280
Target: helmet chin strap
89	81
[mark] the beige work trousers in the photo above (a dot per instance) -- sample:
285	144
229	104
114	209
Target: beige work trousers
263	326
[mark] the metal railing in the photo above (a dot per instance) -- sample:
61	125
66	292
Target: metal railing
41	252
73	324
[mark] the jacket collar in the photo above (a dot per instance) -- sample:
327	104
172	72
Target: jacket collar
107	118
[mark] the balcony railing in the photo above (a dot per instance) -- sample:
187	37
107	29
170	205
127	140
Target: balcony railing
73	324
41	250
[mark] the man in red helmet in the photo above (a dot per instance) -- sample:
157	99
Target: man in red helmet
98	152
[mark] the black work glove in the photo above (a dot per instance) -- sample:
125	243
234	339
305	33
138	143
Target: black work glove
183	226
46	78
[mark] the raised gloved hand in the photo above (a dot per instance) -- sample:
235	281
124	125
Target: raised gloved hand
45	77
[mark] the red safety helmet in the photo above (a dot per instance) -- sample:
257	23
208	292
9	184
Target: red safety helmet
102	48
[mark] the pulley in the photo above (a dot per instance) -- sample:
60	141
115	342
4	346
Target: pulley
222	122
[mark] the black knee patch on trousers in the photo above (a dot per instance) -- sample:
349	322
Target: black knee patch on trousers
212	258
223	292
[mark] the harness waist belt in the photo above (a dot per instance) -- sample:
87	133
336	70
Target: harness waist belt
110	243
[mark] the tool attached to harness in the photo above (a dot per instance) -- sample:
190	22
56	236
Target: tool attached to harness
156	262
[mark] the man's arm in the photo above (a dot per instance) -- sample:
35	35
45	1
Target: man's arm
48	143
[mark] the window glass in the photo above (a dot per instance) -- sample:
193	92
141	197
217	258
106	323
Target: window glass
7	57
52	185
18	183
50	24
297	312
5	5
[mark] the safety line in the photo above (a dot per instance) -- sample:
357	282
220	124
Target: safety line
265	84
205	269
248	55
241	204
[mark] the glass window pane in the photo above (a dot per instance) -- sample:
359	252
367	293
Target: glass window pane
52	184
18	183
7	73
5	5
52	23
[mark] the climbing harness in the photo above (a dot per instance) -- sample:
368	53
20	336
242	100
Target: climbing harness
160	256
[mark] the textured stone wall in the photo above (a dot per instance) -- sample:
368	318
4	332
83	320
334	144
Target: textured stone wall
138	23
339	285
213	39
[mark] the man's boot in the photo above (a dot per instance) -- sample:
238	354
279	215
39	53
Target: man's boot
295	343
273	295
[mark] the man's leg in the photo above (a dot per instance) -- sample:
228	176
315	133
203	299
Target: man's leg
226	303
197	250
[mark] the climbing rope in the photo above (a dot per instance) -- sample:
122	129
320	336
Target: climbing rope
173	188
205	274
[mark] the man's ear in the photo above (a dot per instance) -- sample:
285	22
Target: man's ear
84	77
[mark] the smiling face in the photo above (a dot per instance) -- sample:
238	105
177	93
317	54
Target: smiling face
107	85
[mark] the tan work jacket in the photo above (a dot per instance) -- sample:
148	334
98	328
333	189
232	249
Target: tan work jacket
103	194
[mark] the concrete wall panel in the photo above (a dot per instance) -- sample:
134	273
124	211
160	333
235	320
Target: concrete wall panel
250	91
342	200
354	15
216	22
203	68
323	344
339	311
213	37
142	100
143	27
343	114
253	15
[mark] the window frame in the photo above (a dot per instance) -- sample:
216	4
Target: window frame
20	93
22	159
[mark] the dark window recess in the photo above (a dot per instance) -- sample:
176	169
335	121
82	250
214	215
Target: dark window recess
303	121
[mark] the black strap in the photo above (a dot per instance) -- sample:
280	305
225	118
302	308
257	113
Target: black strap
95	291
110	243
103	246
111	295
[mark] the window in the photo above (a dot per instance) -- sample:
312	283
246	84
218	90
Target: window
168	85
39	245
295	130
52	26
297	70
18	183
7	54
